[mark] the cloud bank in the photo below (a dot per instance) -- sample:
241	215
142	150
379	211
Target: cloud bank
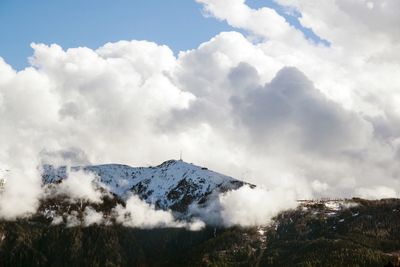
268	105
137	213
245	206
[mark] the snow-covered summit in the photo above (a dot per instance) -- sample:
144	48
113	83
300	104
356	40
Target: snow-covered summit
174	184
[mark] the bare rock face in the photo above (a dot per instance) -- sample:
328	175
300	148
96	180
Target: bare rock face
173	184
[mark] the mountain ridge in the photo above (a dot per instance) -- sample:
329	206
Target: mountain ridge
174	184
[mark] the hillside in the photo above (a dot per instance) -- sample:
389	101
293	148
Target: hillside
337	233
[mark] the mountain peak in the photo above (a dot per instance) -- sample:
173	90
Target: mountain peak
174	184
170	162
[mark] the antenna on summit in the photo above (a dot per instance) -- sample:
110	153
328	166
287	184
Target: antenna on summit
180	156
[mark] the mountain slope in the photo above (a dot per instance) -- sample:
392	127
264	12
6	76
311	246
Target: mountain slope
366	233
174	184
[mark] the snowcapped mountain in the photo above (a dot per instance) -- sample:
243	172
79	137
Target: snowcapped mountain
174	184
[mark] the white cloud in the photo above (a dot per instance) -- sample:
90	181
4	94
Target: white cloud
138	213
265	22
376	192
57	220
80	185
319	186
20	195
73	219
250	207
246	206
91	216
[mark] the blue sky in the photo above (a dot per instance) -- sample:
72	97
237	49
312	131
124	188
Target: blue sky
176	23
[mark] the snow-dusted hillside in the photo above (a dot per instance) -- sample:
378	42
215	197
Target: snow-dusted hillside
174	184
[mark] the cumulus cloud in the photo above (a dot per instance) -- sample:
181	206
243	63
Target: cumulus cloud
289	109
264	22
246	206
87	217
80	185
257	206
138	213
20	196
72	219
91	216
73	156
57	220
376	192
283	112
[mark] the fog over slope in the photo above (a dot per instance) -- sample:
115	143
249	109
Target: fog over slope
267	106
